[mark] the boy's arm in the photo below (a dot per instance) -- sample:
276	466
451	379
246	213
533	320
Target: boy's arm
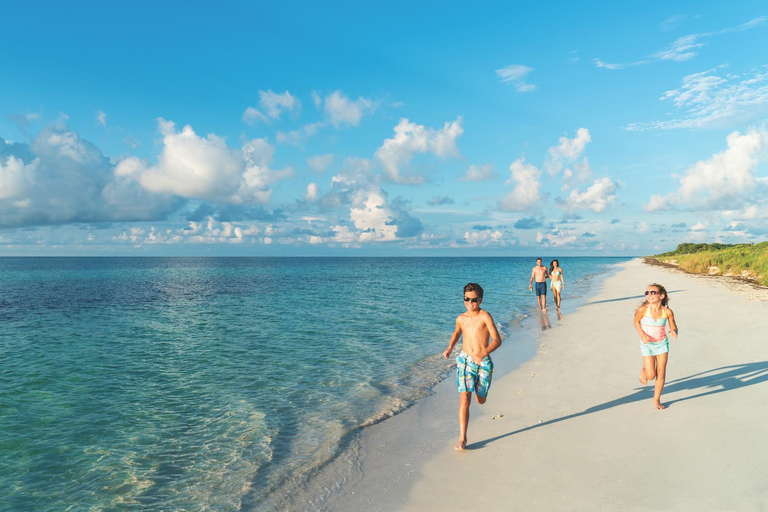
639	327
495	338
454	339
530	283
672	324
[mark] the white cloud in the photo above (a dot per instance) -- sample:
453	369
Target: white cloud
16	177
526	192
699	226
597	197
411	139
312	192
485	172
726	181
252	115
515	75
567	152
657	203
101	118
711	101
341	110
206	168
605	65
274	104
62	178
320	163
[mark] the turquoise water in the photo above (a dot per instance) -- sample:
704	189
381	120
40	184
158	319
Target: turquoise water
220	383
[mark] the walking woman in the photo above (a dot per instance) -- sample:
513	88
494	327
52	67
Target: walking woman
651	320
558	283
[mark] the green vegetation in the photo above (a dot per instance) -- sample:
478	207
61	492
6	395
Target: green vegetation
749	261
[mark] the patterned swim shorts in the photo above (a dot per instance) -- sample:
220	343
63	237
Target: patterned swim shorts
471	376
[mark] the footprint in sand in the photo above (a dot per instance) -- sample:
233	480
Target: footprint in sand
498	416
534	375
520	392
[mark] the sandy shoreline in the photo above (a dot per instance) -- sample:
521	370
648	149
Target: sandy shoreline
578	431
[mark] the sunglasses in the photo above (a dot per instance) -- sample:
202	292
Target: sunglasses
652	292
474	301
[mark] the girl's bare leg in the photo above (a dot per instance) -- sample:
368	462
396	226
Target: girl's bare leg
648	371
661	373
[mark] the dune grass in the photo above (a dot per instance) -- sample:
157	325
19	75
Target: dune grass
749	261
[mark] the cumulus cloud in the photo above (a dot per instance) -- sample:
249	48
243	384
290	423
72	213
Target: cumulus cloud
599	196
376	220
567	153
485	172
273	104
711	100
525	195
340	110
190	166
62	178
725	181
411	139
515	75
312	192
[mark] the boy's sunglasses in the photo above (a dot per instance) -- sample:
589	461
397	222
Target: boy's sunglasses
652	292
474	301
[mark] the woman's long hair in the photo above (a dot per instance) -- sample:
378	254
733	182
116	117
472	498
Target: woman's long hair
552	265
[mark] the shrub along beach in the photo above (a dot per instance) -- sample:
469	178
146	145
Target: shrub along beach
747	261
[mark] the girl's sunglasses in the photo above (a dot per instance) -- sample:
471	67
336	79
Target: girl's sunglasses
646	292
474	301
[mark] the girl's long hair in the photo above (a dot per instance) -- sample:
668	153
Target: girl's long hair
552	265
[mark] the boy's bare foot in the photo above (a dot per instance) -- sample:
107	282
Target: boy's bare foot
657	405
641	375
461	446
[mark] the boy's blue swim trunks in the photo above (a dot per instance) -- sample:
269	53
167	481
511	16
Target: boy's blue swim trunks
473	377
541	288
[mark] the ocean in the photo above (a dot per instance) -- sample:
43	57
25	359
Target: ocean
224	383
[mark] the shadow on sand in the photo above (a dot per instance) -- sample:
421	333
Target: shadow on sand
631	297
710	382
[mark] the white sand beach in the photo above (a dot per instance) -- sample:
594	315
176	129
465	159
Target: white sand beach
578	431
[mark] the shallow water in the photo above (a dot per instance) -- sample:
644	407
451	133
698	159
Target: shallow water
219	383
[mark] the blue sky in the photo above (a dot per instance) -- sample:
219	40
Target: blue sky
401	128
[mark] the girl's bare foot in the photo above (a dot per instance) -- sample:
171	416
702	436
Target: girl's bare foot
461	446
657	405
641	375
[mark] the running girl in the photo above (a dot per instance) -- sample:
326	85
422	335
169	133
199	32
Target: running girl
651	320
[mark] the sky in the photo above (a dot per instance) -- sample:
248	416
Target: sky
385	129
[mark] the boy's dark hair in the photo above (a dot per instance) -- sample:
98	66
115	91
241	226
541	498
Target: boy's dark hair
474	287
539	259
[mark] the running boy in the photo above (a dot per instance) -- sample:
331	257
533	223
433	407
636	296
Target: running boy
474	367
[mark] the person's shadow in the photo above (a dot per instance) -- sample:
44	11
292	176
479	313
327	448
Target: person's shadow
710	382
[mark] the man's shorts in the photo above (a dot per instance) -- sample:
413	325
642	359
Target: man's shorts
541	288
471	376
